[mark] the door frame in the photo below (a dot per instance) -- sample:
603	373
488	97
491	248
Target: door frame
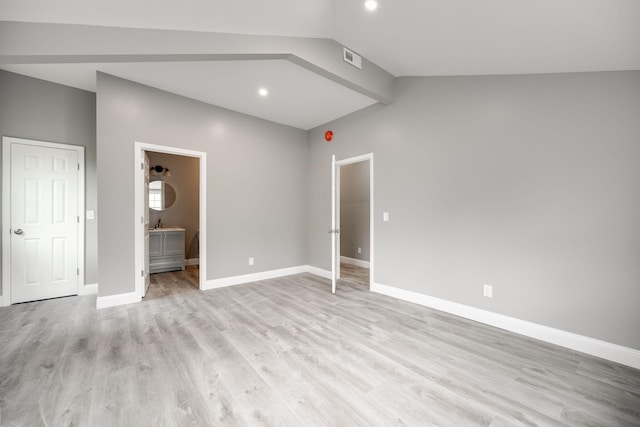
7	142
139	149
336	212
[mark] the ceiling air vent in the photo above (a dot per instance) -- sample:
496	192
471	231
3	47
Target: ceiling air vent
352	58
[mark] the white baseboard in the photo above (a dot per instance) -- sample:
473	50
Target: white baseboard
131	297
192	261
318	271
616	353
354	261
119	299
253	277
90	289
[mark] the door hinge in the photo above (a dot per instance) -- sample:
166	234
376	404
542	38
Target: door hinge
141	273
77	271
78	166
78	219
141	220
141	166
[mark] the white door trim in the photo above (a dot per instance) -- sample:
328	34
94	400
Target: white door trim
7	141
357	159
140	148
335	252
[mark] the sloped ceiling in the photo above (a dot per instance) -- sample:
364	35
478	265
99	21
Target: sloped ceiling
404	37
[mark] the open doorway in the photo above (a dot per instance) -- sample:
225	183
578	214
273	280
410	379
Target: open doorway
170	220
174	224
352	221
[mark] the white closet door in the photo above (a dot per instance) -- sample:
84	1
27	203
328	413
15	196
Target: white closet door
44	223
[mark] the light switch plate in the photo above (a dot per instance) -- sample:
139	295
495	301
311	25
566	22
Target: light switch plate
385	216
91	215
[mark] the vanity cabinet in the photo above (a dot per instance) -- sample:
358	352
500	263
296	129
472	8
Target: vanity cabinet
166	250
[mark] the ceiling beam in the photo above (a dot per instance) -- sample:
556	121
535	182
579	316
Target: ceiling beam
35	43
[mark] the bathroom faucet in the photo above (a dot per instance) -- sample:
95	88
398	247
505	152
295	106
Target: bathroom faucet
159	224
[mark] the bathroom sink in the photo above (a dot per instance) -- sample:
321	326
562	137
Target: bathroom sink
151	230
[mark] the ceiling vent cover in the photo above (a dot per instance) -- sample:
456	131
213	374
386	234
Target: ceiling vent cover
352	58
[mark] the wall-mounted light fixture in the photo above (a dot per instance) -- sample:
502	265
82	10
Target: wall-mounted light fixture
160	170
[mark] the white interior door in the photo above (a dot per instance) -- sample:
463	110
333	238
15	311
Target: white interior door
146	225
44	222
333	231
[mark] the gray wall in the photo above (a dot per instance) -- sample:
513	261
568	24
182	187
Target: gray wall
528	183
185	212
354	210
44	111
256	180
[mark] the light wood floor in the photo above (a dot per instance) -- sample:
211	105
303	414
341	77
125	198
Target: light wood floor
287	352
173	283
354	274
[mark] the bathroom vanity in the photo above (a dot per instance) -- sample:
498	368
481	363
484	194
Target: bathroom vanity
166	249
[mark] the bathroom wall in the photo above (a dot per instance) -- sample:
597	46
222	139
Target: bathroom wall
185	212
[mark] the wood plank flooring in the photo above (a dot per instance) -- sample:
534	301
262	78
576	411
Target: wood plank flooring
354	274
286	352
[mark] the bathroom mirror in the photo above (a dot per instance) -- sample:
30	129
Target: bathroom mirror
161	195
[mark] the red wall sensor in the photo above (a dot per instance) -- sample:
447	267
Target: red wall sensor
328	135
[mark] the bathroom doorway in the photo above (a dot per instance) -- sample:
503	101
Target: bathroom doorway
174	182
170	219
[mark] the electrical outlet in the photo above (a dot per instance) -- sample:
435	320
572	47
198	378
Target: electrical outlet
250	260
487	291
359	250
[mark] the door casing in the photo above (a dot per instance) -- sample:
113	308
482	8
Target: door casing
6	209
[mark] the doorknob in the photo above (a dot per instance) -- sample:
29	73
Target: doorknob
18	231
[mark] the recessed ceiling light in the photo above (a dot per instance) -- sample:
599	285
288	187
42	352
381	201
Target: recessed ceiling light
263	92
371	4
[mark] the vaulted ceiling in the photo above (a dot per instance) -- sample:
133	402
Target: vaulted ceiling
403	37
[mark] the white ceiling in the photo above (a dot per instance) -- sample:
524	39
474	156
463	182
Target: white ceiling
306	18
477	37
405	37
